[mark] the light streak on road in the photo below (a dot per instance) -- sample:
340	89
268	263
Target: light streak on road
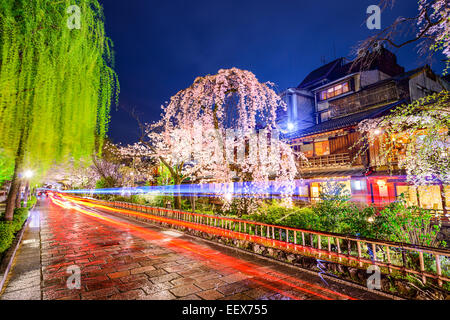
202	252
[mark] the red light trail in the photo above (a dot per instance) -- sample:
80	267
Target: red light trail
204	253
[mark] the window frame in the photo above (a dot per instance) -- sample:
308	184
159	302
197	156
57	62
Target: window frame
330	92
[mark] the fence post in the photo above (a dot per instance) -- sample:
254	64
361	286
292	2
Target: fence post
389	258
359	252
338	243
438	269
422	267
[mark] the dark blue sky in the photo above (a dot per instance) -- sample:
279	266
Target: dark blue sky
162	46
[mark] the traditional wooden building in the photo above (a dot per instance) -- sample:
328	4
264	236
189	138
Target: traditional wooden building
321	120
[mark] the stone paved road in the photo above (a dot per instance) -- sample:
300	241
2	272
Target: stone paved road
124	259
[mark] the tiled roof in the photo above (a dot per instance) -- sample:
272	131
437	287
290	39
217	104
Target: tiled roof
322	73
385	61
345	121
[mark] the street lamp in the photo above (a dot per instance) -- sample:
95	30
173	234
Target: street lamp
290	126
28	174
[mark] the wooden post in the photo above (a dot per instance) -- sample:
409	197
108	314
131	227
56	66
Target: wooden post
329	247
438	269
338	244
422	267
358	244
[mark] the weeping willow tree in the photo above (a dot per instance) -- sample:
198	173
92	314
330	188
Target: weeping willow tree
6	167
56	83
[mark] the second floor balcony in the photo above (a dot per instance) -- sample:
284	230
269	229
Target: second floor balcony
328	161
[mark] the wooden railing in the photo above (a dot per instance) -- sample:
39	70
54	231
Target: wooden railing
427	263
328	161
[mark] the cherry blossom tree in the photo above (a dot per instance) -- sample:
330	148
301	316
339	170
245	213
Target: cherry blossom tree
421	125
218	130
423	128
108	171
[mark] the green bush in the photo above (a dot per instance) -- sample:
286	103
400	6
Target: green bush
6	235
402	223
345	217
31	202
277	214
20	215
331	215
9	228
108	182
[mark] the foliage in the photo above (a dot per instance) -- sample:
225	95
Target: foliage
334	213
9	228
277	214
31	201
20	215
423	128
203	125
409	224
103	183
6	235
164	177
110	170
6	167
56	83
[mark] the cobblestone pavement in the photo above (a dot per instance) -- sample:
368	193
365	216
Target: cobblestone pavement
124	259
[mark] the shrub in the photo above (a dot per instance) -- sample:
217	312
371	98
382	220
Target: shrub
31	202
277	214
345	217
107	182
6	235
410	224
20	215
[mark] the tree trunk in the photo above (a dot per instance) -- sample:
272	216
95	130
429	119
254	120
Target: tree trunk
13	195
443	199
26	194
19	195
11	201
177	195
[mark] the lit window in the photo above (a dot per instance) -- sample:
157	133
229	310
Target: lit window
324	116
345	87
335	91
307	149
357	185
330	93
322	148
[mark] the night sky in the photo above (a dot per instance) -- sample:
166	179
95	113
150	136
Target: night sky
162	46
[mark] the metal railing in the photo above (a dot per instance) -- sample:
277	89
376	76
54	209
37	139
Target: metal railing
427	263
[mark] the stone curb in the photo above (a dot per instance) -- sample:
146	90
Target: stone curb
8	258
